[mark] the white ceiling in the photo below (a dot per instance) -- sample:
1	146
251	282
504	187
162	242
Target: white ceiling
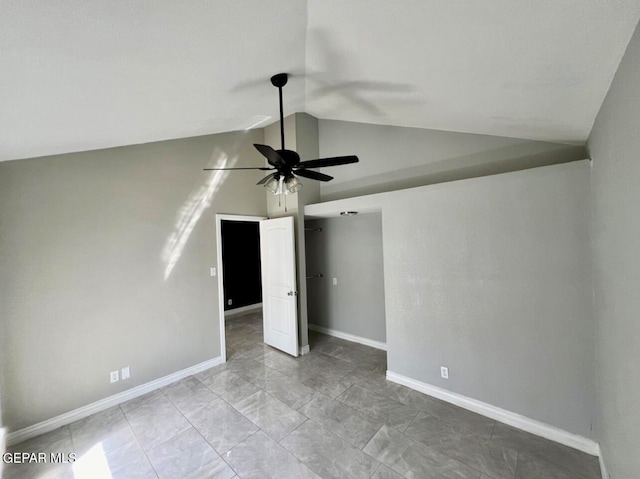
80	75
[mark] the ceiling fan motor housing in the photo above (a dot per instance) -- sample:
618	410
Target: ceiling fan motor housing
290	157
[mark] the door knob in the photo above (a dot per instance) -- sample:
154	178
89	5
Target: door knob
292	293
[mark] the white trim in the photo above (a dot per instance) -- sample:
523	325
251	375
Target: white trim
603	468
348	337
219	218
242	309
48	425
304	350
507	417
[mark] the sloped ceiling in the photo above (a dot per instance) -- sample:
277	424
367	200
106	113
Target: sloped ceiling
78	75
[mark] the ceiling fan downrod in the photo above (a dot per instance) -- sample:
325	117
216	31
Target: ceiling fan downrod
279	81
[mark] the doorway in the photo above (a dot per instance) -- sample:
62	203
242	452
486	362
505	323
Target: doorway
239	276
241	266
345	278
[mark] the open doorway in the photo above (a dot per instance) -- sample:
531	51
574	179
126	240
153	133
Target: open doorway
239	283
241	266
345	282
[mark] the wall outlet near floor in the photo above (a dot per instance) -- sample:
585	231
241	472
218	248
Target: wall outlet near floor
114	376
444	372
335	281
125	373
212	271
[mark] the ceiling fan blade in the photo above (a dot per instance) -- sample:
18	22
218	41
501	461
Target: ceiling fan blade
263	168
322	162
314	175
265	179
272	156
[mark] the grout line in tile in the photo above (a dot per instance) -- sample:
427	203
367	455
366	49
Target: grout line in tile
135	436
515	472
73	444
294	430
410	423
210	445
369	441
376	469
407	426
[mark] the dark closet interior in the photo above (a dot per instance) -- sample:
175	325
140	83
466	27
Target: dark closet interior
241	263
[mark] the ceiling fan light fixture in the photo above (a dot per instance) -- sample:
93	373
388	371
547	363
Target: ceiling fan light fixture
292	185
273	185
285	164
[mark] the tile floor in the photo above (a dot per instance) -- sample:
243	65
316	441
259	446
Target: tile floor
327	414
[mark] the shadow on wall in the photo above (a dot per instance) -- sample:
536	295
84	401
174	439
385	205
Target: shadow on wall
502	160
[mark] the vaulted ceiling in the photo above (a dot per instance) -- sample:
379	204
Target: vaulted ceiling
78	75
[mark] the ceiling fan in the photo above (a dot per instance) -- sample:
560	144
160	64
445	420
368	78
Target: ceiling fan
286	164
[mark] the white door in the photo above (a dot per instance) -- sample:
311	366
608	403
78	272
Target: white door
279	295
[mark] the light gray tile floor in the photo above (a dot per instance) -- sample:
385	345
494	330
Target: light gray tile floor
329	414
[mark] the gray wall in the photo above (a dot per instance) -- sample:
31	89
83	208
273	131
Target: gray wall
393	158
349	249
615	150
85	242
491	277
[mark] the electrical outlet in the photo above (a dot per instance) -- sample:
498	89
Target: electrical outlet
444	372
212	271
229	302
335	281
114	376
126	373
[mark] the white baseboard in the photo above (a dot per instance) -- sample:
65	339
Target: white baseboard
507	417
349	337
29	432
242	309
603	467
304	350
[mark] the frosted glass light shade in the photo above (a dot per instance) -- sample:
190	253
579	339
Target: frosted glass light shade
292	185
273	185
